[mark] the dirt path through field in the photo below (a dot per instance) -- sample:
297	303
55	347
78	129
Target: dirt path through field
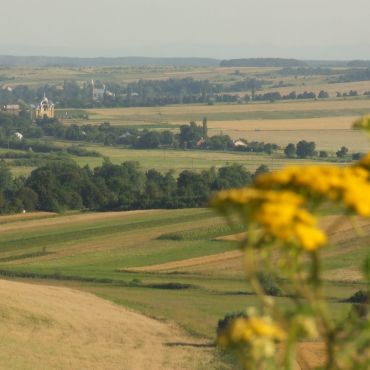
48	327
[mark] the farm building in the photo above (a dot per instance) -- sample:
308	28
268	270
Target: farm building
98	94
44	109
6	88
18	136
239	143
12	109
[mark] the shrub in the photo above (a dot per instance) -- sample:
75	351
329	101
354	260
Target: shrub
359	297
269	283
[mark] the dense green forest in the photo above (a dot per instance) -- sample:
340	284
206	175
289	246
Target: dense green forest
62	186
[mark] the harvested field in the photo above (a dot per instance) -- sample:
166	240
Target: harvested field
180	114
330	140
176	110
323	123
59	328
331	89
329	133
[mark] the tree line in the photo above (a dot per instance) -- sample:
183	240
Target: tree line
64	186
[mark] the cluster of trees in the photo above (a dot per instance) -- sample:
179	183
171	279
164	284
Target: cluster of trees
348	94
304	149
343	152
272	96
62	186
10	124
248	84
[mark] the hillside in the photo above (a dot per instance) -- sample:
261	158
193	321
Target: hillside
45	327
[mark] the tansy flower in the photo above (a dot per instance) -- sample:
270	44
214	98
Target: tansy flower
348	184
279	213
249	330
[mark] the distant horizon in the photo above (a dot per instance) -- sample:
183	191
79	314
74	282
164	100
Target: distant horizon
97	56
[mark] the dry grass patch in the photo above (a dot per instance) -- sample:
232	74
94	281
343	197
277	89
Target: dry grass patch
59	328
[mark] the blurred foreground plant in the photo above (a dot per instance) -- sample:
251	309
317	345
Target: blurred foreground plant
283	236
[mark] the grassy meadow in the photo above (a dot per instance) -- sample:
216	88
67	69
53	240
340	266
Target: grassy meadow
178	160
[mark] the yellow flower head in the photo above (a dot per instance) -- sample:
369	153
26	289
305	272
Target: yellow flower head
362	123
250	329
347	184
279	213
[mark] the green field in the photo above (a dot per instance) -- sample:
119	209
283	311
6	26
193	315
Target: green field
178	160
87	251
175	160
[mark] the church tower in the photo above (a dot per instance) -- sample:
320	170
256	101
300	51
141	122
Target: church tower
45	109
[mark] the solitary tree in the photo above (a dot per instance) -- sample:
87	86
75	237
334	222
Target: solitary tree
342	152
305	149
323	95
290	150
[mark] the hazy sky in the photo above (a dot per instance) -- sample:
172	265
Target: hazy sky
310	29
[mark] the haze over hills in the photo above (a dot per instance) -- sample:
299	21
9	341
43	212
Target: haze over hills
50	61
47	61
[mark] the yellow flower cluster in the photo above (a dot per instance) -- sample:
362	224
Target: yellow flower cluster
364	162
249	330
363	123
244	196
349	184
278	212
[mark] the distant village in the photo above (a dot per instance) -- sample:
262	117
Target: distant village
46	108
